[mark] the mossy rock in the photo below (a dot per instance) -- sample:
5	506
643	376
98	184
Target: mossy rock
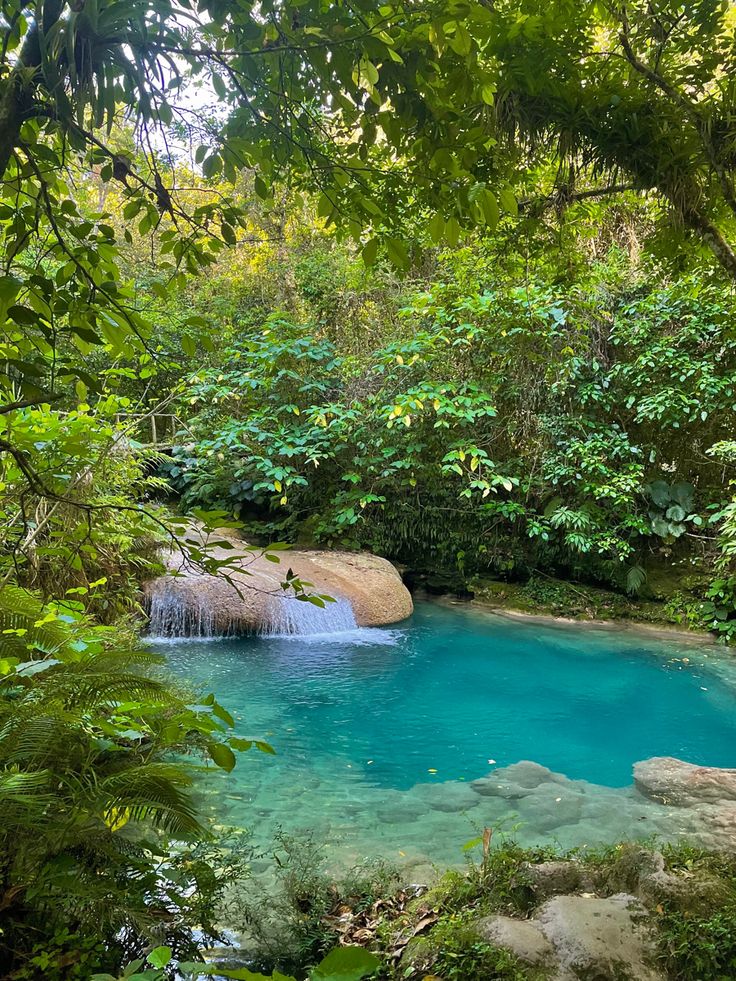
691	893
418	958
626	867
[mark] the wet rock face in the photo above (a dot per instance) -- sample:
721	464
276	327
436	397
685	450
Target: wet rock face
674	782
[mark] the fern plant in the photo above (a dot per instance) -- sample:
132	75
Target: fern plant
95	794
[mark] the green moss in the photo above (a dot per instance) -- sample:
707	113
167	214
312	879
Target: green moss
461	955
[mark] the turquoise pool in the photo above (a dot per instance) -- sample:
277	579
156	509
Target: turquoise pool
383	735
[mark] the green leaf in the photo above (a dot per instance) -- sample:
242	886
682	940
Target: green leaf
508	201
345	964
218	84
241	745
461	42
684	493
660	527
659	491
369	252
397	252
489	206
222	755
223	714
436	228
160	957
452	231
487	93
265	747
261	187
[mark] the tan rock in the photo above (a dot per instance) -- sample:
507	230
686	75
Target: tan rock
606	939
521	938
246	595
671	781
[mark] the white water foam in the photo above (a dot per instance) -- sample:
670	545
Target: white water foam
173	616
288	616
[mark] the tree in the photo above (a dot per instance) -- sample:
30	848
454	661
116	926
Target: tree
448	107
409	114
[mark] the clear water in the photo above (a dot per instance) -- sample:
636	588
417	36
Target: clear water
380	733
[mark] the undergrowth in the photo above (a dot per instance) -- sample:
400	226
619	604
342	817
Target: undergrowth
431	932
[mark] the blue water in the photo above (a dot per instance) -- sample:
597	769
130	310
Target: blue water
449	696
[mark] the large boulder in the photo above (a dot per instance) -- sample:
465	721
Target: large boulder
671	781
605	939
246	597
570	938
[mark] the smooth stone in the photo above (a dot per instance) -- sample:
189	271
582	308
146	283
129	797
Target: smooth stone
675	782
244	602
545	809
398	813
604	939
450	796
527	773
517	780
522	938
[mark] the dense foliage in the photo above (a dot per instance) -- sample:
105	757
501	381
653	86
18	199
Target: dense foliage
99	852
448	280
574	427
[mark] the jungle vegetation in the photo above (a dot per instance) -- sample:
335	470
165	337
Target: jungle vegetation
445	279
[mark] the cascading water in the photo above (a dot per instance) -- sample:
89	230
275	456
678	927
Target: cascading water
290	617
174	615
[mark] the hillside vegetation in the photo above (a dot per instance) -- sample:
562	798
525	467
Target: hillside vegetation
451	281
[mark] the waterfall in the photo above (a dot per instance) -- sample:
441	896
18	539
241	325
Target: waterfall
290	617
172	614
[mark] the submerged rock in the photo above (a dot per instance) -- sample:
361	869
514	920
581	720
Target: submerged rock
551	806
450	796
675	782
516	781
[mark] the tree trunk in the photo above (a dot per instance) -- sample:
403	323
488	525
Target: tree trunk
713	238
18	90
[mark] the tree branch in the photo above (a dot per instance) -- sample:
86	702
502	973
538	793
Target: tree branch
593	192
